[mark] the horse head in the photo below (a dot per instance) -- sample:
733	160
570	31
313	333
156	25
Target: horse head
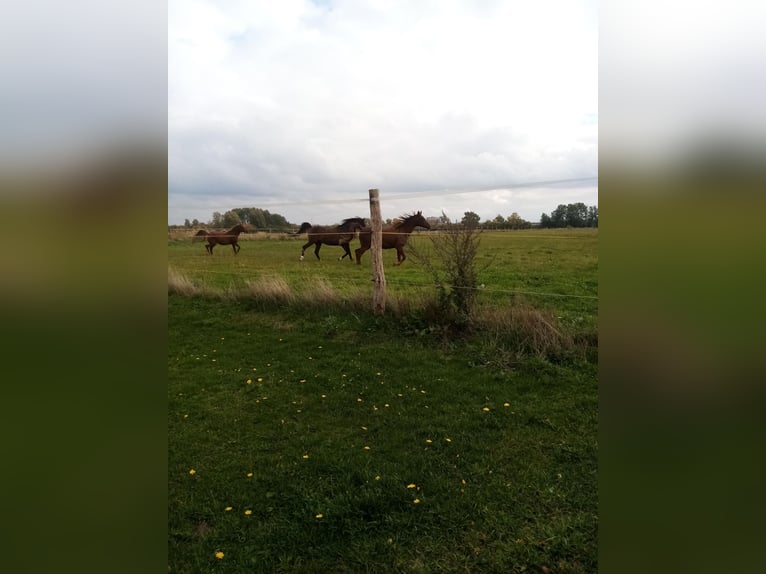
353	224
305	226
421	221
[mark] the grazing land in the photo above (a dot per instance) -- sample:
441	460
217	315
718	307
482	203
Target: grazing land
306	435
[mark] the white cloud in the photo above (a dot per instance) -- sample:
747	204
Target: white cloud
306	101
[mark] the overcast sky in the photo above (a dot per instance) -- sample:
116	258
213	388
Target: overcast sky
301	106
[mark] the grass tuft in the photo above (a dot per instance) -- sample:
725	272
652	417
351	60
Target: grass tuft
272	289
527	330
180	284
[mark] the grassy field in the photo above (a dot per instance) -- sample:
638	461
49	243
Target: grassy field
318	438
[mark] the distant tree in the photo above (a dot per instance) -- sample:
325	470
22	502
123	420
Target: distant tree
187	223
470	220
571	215
230	219
515	221
195	222
559	216
576	215
593	216
217	220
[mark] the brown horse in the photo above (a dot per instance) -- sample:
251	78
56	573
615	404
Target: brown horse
230	237
331	235
395	236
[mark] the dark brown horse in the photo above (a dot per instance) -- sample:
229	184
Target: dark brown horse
331	235
395	236
230	237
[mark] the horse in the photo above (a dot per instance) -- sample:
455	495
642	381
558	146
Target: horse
331	235
395	236
199	236
230	237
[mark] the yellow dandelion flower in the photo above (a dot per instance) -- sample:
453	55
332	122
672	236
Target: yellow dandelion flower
506	404
412	485
248	512
358	400
377	477
462	481
249	475
416	501
448	439
324	396
366	448
386	405
429	441
219	555
249	381
364	428
485	409
192	472
228	509
186	416
260	379
319	516
305	456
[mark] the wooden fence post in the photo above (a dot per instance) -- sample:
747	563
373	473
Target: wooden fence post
376	255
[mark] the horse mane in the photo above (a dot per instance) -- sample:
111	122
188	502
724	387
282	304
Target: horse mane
404	218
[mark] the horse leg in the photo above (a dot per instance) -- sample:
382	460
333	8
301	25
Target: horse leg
359	252
347	253
235	248
400	257
316	249
303	250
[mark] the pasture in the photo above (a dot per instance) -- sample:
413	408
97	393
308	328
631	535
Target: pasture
306	435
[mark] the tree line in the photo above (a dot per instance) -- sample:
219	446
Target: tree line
570	215
255	216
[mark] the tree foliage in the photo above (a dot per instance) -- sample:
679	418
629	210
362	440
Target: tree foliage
571	215
254	216
470	220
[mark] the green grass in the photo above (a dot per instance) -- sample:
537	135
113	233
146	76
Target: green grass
534	266
509	489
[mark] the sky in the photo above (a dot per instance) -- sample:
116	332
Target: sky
300	107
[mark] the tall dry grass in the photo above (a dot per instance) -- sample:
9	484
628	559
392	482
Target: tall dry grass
180	284
526	330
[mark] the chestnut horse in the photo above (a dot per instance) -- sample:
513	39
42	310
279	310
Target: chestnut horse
331	235
395	236
230	237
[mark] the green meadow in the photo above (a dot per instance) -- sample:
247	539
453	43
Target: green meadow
308	435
